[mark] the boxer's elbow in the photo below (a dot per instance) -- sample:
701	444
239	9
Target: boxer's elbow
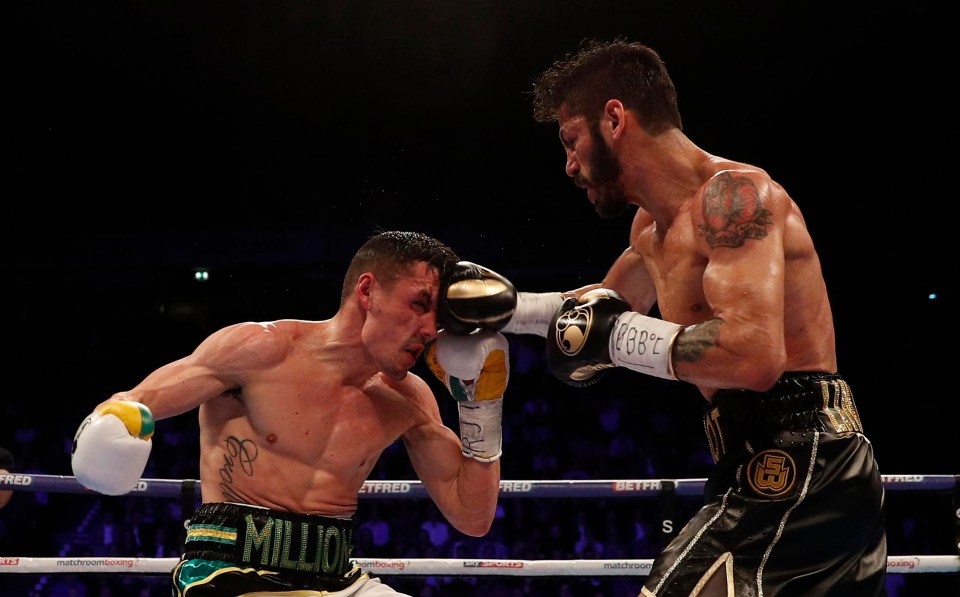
474	520
475	526
760	370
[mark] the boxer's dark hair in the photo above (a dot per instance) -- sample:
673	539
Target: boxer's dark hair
389	255
583	82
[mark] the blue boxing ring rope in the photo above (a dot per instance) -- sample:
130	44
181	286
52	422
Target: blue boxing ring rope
188	489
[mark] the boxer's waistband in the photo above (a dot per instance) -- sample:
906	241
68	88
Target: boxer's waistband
264	539
798	401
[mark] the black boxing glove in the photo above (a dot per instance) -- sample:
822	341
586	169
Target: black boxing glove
578	340
590	335
474	297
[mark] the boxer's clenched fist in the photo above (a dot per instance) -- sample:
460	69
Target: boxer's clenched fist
475	297
112	445
475	368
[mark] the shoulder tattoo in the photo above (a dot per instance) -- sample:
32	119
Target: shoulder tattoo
732	211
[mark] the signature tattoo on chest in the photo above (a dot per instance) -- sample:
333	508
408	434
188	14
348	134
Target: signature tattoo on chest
238	457
733	211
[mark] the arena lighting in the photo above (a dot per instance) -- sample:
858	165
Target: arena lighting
201	275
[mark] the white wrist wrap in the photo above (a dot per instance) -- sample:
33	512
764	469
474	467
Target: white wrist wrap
481	429
534	312
644	344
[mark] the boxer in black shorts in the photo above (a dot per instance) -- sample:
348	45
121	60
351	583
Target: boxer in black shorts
795	506
796	488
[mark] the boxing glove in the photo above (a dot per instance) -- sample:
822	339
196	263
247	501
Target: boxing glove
475	370
475	297
111	447
578	351
590	335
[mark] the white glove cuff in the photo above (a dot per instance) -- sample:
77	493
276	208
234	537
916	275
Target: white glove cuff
481	429
533	313
644	344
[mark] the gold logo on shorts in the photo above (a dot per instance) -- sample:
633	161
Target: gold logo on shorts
772	473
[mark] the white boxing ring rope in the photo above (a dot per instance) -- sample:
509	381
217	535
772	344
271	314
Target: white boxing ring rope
896	564
430	566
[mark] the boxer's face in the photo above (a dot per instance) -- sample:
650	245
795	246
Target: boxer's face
401	318
605	176
592	164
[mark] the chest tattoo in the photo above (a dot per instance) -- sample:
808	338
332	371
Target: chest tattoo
238	457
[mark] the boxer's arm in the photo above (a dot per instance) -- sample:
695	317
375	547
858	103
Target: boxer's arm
475	370
112	445
629	277
220	363
743	343
5	494
465	490
533	313
475	297
598	331
7	465
462	475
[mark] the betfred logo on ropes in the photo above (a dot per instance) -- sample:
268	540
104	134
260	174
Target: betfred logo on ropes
5	561
637	485
385	487
516	486
13	479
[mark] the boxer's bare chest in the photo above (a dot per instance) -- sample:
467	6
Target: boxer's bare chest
302	411
676	266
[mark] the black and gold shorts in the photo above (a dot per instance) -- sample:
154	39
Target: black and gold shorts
795	505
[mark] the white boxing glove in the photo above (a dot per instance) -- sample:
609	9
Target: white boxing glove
111	447
475	369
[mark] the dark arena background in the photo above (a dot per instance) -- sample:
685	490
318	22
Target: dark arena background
173	167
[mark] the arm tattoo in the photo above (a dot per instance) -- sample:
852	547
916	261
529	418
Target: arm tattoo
696	340
732	211
238	453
